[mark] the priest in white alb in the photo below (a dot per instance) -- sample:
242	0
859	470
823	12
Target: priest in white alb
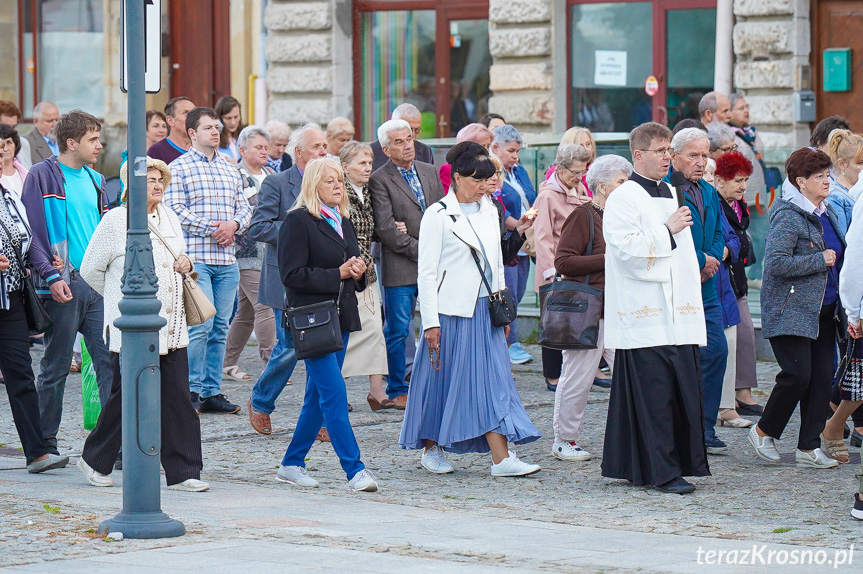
655	319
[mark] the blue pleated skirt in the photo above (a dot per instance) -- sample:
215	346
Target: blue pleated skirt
472	394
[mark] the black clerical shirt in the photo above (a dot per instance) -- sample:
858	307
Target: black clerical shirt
655	189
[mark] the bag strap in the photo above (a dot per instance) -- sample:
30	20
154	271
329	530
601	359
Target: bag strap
165	243
18	255
589	250
473	252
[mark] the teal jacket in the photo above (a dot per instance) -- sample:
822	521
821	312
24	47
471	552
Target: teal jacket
707	233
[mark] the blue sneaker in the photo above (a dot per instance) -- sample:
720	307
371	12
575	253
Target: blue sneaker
518	355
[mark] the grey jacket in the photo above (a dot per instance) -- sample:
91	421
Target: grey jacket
39	150
278	194
795	275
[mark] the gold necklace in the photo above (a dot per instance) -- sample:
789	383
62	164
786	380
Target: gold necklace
597	206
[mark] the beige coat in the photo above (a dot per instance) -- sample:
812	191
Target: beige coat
102	269
553	203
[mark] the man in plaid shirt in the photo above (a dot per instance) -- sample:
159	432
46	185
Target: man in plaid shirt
207	194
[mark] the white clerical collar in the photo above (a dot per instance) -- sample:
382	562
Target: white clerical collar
797	198
647	178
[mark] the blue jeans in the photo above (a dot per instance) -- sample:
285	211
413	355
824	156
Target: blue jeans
279	369
326	401
516	279
207	340
713	359
399	304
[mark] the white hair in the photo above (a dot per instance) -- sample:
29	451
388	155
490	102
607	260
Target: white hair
278	129
40	107
299	137
568	153
389	127
406	110
505	134
685	137
606	168
249	133
718	134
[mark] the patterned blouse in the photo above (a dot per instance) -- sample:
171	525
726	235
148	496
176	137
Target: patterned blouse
14	235
364	224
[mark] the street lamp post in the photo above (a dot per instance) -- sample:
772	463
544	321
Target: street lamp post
139	322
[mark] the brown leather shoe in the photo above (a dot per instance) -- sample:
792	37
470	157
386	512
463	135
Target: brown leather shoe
323	435
377	405
401	402
260	421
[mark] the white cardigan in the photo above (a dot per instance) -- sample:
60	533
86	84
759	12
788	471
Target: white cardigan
102	269
447	277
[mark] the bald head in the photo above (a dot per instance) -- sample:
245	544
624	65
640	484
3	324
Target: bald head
714	107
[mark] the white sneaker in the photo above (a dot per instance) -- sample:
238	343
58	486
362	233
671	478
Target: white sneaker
570	451
765	446
296	475
363	480
434	460
190	485
93	477
815	459
512	466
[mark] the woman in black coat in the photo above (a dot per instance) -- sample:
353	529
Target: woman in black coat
319	261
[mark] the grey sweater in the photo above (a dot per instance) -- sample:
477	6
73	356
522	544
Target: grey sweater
795	274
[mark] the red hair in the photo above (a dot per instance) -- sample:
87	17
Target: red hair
731	164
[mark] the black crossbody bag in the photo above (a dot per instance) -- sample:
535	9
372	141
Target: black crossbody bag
315	328
38	320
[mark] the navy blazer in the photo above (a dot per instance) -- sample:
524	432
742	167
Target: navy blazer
510	197
278	194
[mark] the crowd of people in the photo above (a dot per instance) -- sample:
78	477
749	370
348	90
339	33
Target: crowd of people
322	246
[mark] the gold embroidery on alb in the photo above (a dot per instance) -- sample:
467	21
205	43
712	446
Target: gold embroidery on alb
621	315
651	257
688	309
646	312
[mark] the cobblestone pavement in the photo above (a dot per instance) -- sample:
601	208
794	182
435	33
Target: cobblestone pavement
745	499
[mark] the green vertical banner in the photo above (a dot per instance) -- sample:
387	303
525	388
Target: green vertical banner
89	390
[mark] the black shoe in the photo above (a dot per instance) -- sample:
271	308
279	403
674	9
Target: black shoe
196	401
676	486
857	511
846	432
118	464
856	439
218	404
715	446
753	410
549	386
601	383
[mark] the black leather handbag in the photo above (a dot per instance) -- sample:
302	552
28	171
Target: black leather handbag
38	320
570	311
315	328
501	305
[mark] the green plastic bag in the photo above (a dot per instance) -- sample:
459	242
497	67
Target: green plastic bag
89	390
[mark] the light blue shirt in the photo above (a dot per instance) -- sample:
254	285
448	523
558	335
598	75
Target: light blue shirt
82	212
55	149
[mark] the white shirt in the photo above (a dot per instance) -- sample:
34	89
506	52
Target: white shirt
13	183
796	197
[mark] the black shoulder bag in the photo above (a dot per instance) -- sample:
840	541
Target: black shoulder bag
38	320
315	328
570	310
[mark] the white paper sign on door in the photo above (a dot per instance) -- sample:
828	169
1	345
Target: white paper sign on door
610	68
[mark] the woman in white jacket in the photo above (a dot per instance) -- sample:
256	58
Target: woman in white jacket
462	396
102	268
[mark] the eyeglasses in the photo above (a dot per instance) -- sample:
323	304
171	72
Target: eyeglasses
728	148
578	174
661	152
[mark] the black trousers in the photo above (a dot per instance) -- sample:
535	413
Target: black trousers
805	378
552	363
16	364
181	427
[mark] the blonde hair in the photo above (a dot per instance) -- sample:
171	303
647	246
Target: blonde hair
313	175
844	144
573	135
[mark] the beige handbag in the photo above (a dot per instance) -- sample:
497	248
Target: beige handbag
529	246
198	306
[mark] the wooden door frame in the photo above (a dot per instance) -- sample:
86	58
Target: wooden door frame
219	82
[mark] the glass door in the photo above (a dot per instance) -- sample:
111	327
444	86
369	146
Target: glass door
689	60
468	78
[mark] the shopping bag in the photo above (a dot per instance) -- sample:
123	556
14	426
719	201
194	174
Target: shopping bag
89	390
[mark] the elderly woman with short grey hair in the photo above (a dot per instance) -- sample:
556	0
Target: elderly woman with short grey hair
280	133
340	131
573	261
558	197
517	196
721	140
253	144
749	144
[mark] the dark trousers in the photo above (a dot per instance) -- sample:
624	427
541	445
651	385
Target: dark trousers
181	428
15	363
805	379
552	363
713	356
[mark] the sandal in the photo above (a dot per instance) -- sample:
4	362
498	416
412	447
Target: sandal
234	372
835	449
75	367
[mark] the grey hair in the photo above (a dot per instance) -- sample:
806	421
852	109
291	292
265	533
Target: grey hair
406	110
354	148
278	129
684	137
250	132
709	102
389	127
734	96
40	107
505	134
606	168
718	134
568	153
298	138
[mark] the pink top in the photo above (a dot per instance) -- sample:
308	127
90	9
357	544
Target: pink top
446	176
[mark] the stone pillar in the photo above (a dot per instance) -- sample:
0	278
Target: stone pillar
520	41
771	43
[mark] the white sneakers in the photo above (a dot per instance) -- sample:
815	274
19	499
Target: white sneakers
569	451
434	460
363	480
512	466
815	459
93	477
296	475
190	485
765	446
